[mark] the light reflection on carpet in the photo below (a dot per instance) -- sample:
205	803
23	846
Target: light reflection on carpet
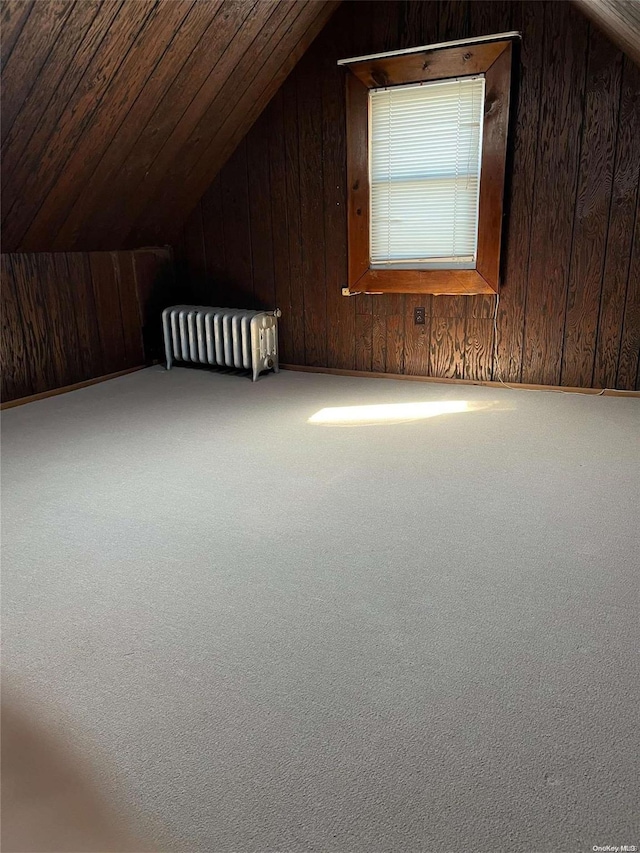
396	413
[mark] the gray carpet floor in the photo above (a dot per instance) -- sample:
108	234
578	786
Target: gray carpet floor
407	628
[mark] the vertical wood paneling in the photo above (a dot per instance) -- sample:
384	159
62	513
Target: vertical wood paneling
109	313
416	342
626	178
129	307
89	347
564	61
447	342
199	284
212	216
529	20
568	296
71	316
599	131
292	160
156	288
280	225
53	278
340	310
378	342
237	228
15	376
478	349
31	299
393	314
629	362
260	216
312	210
479	337
364	337
147	267
394	344
453	20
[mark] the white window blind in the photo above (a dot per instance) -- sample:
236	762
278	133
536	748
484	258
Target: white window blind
424	161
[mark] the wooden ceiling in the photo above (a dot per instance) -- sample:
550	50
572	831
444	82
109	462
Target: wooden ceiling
118	114
619	19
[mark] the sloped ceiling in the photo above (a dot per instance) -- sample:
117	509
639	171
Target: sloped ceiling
619	19
118	114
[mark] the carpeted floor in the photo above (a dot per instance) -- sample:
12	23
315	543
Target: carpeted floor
408	628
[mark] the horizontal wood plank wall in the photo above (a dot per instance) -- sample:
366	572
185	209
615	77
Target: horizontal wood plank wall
71	317
568	312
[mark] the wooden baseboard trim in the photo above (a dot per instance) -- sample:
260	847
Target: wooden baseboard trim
55	391
518	386
335	371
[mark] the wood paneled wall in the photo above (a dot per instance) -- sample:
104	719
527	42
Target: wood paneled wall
117	114
271	230
68	317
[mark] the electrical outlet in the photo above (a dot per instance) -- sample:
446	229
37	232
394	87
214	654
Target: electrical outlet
419	316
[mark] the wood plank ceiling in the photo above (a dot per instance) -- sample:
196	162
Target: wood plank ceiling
117	115
619	19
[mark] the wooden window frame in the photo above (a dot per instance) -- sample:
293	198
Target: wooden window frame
494	60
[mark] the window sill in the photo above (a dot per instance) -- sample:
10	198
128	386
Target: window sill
437	282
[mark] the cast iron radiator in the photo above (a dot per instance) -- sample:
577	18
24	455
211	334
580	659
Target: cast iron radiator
228	337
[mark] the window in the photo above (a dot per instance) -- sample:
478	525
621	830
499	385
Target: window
426	146
424	174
